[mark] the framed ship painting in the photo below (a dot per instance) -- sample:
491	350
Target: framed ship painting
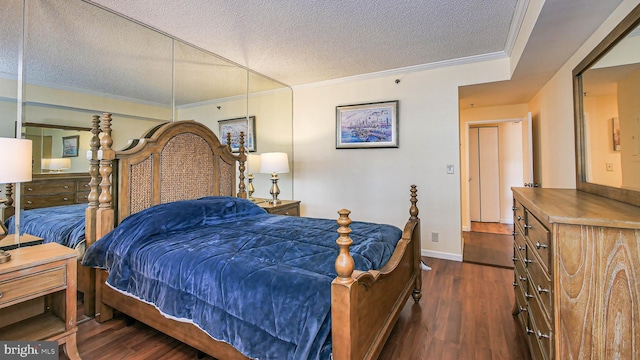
235	127
371	125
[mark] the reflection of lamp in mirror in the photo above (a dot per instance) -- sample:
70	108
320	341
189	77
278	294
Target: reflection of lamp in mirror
253	166
56	164
14	169
274	163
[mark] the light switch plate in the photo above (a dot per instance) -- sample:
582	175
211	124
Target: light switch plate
449	168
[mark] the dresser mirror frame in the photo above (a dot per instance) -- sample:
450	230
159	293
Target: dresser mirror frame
37	150
627	25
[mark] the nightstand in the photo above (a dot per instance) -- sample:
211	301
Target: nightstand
11	242
286	207
38	296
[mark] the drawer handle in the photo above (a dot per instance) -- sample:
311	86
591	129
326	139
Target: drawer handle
519	217
542	290
542	336
86	185
528	296
514	208
529	331
66	186
540	246
514	259
65	199
522	278
515	284
522	309
29	202
514	233
29	189
1	294
286	213
527	261
528	227
522	248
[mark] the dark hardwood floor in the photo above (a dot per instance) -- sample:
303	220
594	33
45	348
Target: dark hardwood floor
464	313
489	244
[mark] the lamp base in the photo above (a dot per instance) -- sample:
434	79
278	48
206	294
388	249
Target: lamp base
5	256
275	190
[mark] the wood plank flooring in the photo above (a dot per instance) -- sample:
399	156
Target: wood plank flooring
489	244
465	313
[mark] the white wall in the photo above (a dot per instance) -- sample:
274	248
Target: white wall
374	183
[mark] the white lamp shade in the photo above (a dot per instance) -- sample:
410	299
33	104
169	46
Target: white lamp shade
59	163
15	166
253	163
274	162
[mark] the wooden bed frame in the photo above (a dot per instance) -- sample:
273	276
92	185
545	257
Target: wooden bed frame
365	305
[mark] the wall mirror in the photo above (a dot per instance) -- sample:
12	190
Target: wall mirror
80	59
606	92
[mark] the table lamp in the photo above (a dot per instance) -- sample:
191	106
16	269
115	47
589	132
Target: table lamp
274	163
253	166
58	164
15	168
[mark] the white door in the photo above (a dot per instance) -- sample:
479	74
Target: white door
527	151
484	183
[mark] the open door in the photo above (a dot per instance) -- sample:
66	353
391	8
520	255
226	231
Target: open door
527	151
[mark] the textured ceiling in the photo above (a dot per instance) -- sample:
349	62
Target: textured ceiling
293	41
302	41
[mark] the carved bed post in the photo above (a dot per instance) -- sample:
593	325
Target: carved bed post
343	318
417	244
90	216
94	164
8	209
104	213
242	159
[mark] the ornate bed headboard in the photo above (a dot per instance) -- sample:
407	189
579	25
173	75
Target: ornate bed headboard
180	160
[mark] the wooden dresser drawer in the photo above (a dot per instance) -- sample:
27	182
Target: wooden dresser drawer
82	185
540	238
32	284
540	284
82	197
49	187
34	202
518	213
540	327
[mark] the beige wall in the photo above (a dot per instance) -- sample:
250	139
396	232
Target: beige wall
510	144
599	113
629	107
552	108
374	183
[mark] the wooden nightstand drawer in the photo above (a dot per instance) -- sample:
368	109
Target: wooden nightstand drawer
286	207
32	284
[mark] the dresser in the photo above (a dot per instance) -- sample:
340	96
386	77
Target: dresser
576	274
285	207
38	296
47	190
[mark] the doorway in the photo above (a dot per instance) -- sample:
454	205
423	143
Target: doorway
487	234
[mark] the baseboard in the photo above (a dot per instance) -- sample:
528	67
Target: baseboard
441	255
507	221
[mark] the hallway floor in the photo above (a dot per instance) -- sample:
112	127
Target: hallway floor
489	244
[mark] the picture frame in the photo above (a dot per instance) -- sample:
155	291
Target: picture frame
615	123
70	146
235	127
369	125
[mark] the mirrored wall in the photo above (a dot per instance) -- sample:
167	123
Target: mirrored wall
80	60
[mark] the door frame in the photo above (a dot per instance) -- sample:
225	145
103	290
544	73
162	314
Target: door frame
467	208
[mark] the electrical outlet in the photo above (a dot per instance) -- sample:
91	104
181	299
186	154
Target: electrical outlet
449	168
434	237
609	166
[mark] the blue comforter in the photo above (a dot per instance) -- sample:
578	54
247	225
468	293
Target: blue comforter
257	281
61	224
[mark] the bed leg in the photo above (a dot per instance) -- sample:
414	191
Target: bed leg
417	245
103	311
87	280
